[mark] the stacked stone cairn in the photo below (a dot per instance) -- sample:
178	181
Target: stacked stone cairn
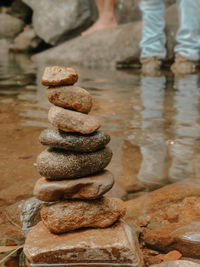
73	183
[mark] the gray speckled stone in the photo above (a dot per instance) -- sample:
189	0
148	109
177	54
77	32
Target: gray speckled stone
59	164
74	141
90	187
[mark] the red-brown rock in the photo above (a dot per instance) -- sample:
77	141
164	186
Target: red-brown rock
169	217
71	97
84	188
66	216
72	121
116	244
56	75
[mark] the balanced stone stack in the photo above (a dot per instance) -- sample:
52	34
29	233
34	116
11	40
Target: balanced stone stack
73	183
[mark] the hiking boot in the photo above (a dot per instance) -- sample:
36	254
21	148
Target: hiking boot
151	66
183	65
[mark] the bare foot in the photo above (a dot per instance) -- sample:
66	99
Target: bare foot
99	25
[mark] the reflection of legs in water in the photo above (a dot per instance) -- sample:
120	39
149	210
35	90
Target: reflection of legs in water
153	168
185	127
106	10
153	37
188	36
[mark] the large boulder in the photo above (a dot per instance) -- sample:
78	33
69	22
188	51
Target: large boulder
104	48
54	21
10	26
110	47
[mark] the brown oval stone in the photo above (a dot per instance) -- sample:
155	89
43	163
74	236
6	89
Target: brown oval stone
71	97
56	75
74	141
59	164
91	187
72	121
66	216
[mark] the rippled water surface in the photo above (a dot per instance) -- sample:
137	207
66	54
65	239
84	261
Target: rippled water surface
153	123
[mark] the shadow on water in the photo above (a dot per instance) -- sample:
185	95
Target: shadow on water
153	122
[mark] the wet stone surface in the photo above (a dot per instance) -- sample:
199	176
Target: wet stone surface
74	141
71	97
90	187
72	121
119	246
59	164
55	75
71	215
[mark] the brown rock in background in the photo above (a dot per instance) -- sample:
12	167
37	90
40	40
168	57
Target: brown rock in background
169	217
72	121
71	97
69	215
56	75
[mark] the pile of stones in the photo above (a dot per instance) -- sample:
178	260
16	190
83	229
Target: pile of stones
73	183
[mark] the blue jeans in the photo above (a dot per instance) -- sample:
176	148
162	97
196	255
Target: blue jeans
188	35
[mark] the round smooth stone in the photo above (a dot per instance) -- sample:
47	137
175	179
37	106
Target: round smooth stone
74	141
90	187
59	164
72	121
70	215
56	75
71	97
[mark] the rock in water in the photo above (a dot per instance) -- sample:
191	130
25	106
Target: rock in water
74	141
116	244
71	97
56	75
10	26
58	164
70	215
84	188
72	121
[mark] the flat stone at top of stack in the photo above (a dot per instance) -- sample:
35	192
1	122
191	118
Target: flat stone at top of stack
56	75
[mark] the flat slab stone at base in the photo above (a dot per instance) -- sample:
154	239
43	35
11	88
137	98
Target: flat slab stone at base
90	187
74	141
56	75
117	244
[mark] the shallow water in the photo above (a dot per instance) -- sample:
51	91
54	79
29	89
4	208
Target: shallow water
153	123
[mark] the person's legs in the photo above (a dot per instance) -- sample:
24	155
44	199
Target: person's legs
153	36
106	19
188	36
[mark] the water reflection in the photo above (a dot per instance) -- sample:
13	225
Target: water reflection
167	160
153	122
